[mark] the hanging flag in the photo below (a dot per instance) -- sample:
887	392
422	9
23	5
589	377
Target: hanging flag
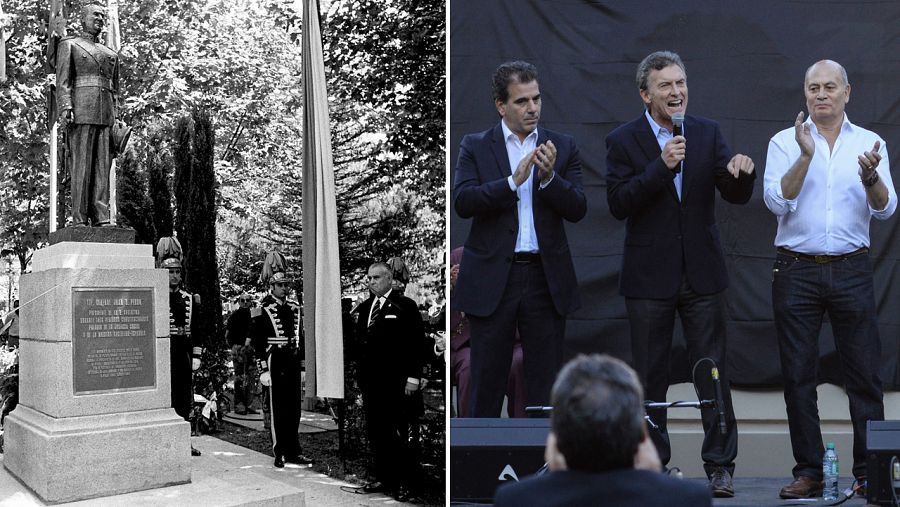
2	45
113	35
321	266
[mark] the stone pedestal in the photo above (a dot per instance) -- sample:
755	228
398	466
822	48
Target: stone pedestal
94	416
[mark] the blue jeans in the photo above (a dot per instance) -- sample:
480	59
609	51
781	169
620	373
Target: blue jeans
802	292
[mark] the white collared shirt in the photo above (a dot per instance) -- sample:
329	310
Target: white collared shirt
831	214
381	300
662	137
516	150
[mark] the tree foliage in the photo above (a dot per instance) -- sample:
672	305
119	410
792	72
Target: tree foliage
240	60
24	138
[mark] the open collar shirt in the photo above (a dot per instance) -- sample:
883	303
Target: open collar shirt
831	214
662	136
516	150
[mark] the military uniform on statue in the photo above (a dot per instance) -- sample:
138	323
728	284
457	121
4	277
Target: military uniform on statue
277	337
87	78
184	346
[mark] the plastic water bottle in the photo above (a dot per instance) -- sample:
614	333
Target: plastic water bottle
830	472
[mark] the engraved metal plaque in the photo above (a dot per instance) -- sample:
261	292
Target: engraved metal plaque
113	340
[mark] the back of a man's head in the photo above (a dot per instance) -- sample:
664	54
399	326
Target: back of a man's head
597	413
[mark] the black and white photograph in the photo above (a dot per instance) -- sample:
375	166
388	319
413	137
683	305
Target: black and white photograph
224	259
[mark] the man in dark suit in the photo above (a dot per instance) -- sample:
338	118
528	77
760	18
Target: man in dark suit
391	332
664	185
517	183
597	451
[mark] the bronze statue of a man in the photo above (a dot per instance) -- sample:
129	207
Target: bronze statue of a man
87	87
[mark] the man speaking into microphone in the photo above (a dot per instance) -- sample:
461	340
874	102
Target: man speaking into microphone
663	183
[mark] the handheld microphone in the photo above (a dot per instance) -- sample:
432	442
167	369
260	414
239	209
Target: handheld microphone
678	130
720	401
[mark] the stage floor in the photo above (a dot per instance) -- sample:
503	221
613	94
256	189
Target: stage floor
763	492
753	492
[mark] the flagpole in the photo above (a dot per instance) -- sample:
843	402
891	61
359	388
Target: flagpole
56	30
113	41
53	172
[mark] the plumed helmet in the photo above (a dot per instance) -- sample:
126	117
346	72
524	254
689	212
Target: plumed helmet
168	253
399	271
275	269
170	262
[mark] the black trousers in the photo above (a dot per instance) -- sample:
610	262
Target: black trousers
703	319
182	375
392	427
802	291
527	307
286	396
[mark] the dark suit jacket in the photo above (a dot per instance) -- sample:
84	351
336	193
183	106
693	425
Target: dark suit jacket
617	488
391	350
481	192
662	235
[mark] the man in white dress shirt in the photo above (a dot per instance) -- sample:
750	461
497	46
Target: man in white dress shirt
825	179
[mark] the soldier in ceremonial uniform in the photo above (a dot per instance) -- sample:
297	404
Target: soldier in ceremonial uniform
277	336
185	347
87	88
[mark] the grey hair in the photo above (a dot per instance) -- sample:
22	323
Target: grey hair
657	60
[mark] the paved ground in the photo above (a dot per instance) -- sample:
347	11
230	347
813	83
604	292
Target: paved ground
225	475
310	422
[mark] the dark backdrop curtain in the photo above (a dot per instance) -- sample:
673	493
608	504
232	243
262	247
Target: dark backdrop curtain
745	65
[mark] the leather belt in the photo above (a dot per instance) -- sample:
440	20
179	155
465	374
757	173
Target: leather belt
86	81
821	259
526	257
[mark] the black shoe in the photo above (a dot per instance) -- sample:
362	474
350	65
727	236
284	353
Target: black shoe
720	483
194	452
298	460
372	487
240	412
279	461
252	411
402	495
